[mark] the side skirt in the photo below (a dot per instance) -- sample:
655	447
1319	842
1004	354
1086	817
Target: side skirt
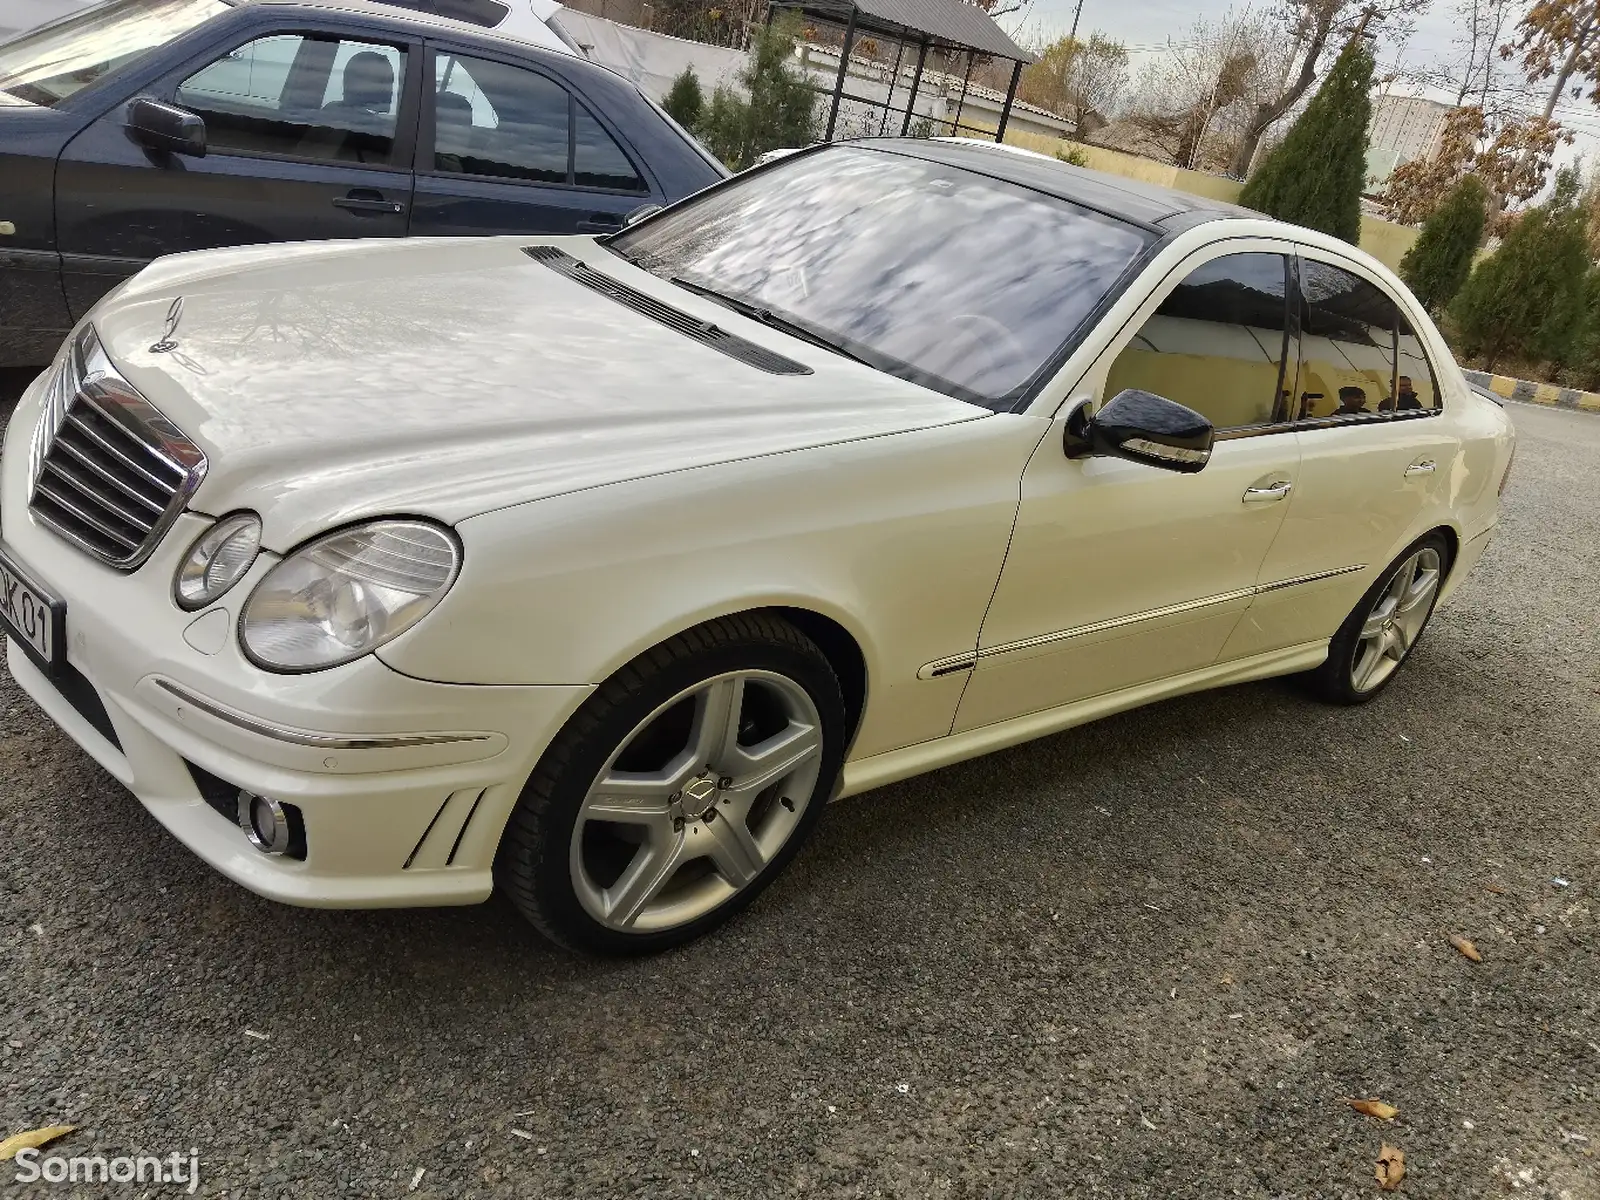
865	774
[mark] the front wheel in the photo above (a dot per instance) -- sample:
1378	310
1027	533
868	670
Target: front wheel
679	790
1379	635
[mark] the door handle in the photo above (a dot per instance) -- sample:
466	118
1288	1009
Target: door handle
1426	467
367	201
1267	494
600	223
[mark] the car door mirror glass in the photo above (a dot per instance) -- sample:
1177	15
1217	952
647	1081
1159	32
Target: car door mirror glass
159	126
1143	428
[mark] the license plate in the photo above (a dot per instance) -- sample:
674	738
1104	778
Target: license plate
31	616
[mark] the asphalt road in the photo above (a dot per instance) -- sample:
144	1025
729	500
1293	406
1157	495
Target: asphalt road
1146	958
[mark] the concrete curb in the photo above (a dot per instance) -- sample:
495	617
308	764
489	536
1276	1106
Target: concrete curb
1535	393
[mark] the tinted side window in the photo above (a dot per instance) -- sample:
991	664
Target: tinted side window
500	121
1416	388
1216	344
599	161
1347	344
300	97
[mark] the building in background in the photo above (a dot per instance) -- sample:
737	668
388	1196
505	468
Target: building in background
1403	128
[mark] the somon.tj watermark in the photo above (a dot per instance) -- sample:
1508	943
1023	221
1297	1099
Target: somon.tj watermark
35	1166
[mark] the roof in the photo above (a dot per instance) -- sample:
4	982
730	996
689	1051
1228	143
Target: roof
1117	195
954	24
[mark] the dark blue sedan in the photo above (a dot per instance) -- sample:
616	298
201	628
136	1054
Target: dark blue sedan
145	127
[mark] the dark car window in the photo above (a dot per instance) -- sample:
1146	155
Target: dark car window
297	96
1416	388
50	64
501	121
1216	343
598	161
958	281
487	13
1347	345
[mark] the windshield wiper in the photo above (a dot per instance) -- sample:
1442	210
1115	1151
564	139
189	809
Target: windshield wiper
767	317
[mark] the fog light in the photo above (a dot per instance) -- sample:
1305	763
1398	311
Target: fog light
264	822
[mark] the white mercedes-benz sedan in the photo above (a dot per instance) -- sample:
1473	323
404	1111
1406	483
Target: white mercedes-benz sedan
385	572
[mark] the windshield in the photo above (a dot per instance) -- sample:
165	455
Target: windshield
50	64
962	283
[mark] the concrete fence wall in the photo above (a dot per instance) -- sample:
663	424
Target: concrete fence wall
1384	240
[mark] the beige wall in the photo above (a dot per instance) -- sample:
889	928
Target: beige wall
1383	240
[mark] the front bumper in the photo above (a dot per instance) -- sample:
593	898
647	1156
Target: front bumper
403	785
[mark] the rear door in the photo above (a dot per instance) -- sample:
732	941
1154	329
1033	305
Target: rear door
506	147
310	134
1373	462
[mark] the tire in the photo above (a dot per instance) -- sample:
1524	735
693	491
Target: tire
678	791
1380	633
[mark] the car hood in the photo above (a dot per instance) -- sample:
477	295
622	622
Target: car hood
447	377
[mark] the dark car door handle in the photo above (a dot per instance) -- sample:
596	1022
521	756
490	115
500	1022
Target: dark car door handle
368	200
600	223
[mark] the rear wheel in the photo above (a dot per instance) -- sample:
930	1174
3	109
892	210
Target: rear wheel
1379	635
679	790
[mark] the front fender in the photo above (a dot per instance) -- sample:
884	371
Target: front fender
899	539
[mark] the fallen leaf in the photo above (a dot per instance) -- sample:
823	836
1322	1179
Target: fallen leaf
1391	1167
1373	1108
1466	947
32	1139
1497	889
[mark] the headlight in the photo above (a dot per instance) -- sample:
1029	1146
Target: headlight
218	559
346	594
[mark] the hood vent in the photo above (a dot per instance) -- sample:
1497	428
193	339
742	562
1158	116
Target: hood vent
703	332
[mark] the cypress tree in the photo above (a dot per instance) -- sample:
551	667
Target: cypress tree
1528	297
1314	176
1440	260
684	100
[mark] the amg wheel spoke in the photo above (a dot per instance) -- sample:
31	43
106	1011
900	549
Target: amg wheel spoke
755	767
733	850
633	798
651	868
1377	622
716	721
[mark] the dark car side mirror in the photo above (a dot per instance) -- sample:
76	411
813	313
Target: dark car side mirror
158	126
1143	428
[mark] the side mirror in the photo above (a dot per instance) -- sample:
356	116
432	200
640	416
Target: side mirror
158	126
640	213
1143	428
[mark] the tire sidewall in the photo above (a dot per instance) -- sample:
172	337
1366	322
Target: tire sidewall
556	897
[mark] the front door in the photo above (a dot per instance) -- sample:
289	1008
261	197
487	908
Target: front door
506	148
308	136
1118	573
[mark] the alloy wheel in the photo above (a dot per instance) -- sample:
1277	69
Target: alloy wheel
1395	620
697	800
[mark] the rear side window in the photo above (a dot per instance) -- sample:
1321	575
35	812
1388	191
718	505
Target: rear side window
1347	340
598	161
1416	389
500	121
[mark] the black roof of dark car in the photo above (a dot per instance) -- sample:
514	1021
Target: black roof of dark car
1133	199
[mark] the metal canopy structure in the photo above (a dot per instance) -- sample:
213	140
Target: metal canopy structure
946	26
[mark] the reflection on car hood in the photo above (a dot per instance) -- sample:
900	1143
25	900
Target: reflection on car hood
447	377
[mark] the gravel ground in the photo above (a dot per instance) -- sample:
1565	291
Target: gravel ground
1147	958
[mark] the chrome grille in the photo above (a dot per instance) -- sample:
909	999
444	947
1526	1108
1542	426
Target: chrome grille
111	473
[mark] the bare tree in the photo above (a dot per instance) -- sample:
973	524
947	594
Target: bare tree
1194	102
1075	79
1317	31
